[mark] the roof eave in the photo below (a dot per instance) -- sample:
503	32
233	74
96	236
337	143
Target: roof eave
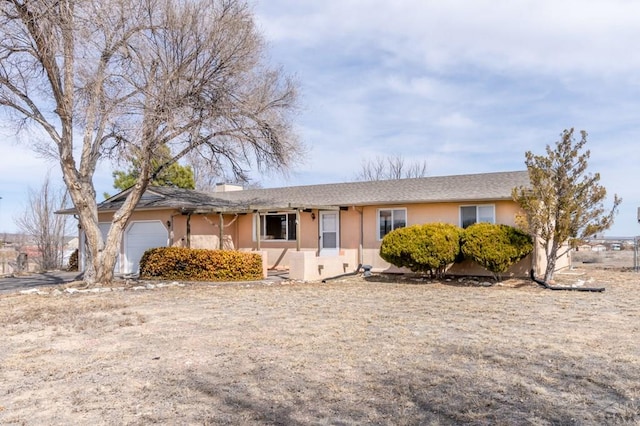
435	201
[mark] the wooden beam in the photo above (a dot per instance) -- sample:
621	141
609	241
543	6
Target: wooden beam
221	237
298	229
258	232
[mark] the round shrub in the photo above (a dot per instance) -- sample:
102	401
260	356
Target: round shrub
427	248
494	246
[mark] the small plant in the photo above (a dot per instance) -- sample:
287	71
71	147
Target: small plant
428	248
494	246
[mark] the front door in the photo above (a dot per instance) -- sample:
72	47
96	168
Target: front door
329	233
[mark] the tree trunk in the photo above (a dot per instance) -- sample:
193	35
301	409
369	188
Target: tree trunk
552	256
99	266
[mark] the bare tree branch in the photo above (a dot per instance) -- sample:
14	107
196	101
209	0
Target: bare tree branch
130	76
46	228
387	168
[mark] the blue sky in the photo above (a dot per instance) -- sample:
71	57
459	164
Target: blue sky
467	86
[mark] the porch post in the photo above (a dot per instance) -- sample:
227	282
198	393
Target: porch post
258	232
361	242
221	222
298	228
189	230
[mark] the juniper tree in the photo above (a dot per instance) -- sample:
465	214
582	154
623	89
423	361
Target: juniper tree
564	202
174	174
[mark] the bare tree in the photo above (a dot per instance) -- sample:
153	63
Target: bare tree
208	174
387	168
46	228
128	76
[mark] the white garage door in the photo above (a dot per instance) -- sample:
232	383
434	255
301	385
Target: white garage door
139	237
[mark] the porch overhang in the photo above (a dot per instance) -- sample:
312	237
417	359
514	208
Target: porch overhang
257	209
261	208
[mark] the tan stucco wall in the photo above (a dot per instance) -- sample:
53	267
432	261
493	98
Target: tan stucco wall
423	213
239	234
564	262
204	231
306	266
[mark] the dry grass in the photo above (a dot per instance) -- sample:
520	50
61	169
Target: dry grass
345	352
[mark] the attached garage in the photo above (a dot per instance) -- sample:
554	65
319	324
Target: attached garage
139	237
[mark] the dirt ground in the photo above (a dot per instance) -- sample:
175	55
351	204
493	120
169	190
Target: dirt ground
347	352
612	260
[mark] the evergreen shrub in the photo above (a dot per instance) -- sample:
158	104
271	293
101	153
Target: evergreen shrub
495	246
427	248
179	263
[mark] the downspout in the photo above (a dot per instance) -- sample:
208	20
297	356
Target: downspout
555	287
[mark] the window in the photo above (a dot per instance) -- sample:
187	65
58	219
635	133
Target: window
474	214
390	219
278	226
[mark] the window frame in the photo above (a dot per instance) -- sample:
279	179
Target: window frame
288	230
477	208
392	209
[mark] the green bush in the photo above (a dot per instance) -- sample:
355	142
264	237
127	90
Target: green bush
427	248
179	263
495	247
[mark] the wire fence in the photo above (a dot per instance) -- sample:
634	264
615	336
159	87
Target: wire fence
625	257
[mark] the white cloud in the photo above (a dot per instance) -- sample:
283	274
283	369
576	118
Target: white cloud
550	36
467	85
455	120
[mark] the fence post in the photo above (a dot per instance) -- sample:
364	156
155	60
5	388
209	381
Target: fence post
635	254
22	262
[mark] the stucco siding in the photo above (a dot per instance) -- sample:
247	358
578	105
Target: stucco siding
359	240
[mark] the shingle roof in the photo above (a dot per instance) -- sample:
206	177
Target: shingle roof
163	197
455	188
487	186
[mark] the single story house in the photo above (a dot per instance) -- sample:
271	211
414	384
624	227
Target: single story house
315	231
